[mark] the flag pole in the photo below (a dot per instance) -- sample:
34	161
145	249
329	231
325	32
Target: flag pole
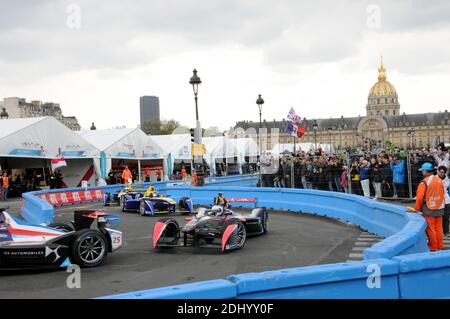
292	167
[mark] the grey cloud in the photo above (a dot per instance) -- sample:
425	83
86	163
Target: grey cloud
34	34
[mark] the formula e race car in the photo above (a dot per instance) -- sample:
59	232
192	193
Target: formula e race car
217	227
151	203
25	246
117	197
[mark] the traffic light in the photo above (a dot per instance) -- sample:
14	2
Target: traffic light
192	132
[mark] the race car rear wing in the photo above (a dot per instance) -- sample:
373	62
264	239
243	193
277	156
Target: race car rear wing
84	218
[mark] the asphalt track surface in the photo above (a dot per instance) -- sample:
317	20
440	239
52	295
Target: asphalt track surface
293	240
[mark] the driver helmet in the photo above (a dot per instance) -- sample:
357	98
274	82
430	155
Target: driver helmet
217	210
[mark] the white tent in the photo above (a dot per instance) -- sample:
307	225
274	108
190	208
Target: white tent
126	144
176	148
33	141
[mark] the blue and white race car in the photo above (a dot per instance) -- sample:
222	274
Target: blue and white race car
25	246
155	204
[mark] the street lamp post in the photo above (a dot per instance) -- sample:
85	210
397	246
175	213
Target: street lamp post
260	102
195	82
315	128
410	134
330	129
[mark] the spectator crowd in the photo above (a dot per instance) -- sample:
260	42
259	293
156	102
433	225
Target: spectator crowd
420	174
371	175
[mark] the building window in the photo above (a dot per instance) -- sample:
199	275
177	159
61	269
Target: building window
378	101
386	112
385	101
393	112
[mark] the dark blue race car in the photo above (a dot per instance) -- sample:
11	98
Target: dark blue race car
155	204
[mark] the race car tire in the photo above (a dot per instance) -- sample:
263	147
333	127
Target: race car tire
237	239
142	208
62	226
89	248
182	204
264	220
172	231
122	202
262	213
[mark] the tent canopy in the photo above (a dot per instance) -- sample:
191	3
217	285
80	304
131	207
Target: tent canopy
178	145
124	143
42	137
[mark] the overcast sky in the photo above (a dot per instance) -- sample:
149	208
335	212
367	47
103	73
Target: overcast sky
96	58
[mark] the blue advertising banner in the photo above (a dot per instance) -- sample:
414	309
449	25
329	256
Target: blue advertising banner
126	154
151	155
72	153
103	165
26	152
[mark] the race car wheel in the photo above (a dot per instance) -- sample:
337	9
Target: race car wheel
122	203
264	222
182	204
142	208
171	234
89	248
61	226
237	238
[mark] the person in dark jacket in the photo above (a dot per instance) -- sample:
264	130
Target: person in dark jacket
59	179
416	176
297	173
387	189
303	172
375	175
286	171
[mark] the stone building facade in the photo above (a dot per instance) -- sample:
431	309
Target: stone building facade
383	122
19	108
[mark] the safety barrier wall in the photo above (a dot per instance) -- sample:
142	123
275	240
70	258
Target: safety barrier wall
343	280
405	230
38	211
404	273
424	275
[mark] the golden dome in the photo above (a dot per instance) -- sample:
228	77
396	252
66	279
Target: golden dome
382	87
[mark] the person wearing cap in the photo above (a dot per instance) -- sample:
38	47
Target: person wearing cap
430	200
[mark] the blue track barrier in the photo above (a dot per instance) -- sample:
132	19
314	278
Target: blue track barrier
212	289
38	211
425	275
405	230
406	268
